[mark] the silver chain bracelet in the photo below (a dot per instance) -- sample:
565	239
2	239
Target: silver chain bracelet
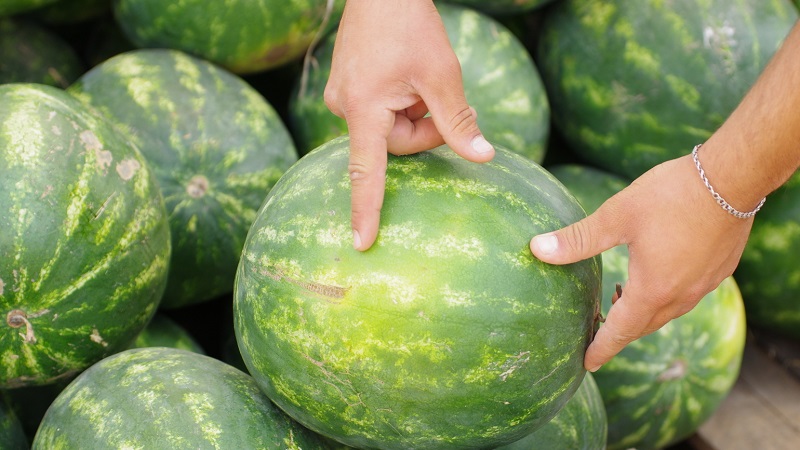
721	201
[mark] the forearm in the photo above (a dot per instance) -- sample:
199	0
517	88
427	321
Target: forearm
758	147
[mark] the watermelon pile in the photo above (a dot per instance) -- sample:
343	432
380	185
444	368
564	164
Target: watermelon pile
176	265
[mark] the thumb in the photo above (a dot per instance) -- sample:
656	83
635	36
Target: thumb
457	122
581	240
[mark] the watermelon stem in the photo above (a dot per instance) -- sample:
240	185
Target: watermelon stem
17	318
308	59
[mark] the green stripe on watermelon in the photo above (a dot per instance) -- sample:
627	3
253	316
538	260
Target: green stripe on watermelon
167	398
633	84
446	333
245	36
30	53
580	425
85	242
769	271
216	147
500	82
660	388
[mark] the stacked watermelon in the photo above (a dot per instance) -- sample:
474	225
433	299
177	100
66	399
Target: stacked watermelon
32	53
216	147
500	82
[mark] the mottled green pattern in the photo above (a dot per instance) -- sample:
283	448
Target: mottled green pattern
769	271
243	35
446	333
502	7
30	53
659	389
580	425
500	82
164	398
12	436
216	146
165	332
635	83
84	245
11	7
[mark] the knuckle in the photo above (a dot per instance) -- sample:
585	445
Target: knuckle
462	121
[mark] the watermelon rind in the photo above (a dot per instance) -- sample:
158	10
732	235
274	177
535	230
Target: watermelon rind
31	53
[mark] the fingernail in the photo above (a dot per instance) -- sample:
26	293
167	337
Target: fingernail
356	240
481	145
547	244
594	369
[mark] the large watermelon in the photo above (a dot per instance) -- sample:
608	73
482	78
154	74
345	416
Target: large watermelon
447	333
580	425
84	245
215	145
154	398
635	83
769	271
245	36
30	53
659	389
500	82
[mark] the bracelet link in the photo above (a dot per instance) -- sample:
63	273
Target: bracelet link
718	198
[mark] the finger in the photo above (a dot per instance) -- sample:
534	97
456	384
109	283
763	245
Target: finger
591	236
628	319
413	136
367	170
455	120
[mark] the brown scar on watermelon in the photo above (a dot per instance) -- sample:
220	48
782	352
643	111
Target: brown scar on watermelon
326	291
17	318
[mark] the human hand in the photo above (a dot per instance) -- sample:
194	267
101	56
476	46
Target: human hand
681	246
392	64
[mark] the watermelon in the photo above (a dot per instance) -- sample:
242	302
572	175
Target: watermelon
447	333
635	83
500	81
216	147
11	7
85	243
580	425
67	12
769	271
165	332
12	436
167	398
502	7
659	389
245	36
30	53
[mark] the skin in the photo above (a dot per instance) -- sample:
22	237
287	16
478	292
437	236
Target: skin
384	90
682	244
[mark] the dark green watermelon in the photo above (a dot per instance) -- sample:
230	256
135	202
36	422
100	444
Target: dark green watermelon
30	53
167	398
769	271
12	436
216	147
660	388
245	36
85	242
165	332
446	333
11	7
635	83
500	81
